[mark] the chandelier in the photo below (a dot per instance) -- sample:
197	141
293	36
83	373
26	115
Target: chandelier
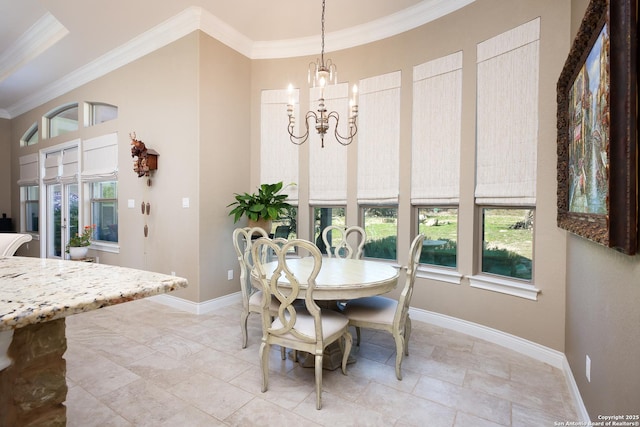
321	74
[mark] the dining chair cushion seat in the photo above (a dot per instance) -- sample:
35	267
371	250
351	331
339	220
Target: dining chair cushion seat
255	300
371	309
332	323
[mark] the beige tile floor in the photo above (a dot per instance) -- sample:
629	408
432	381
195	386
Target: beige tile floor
145	364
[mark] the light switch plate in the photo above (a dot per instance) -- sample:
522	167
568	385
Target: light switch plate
131	203
185	202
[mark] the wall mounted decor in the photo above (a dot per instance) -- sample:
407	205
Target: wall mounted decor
145	160
597	128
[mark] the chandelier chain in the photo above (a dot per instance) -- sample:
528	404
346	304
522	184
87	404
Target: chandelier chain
322	22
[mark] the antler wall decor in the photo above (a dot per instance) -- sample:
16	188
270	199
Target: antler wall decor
145	160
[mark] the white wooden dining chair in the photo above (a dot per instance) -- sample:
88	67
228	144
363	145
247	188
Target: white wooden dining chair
306	328
251	297
10	242
336	241
387	314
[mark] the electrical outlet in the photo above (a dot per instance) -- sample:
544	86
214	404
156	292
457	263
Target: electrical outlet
230	275
173	273
588	368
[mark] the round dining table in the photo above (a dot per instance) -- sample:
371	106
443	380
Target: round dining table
339	279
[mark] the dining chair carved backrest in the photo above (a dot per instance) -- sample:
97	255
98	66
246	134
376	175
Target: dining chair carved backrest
388	314
302	328
10	242
336	241
251	297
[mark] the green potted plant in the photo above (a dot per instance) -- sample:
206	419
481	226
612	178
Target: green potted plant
262	207
78	244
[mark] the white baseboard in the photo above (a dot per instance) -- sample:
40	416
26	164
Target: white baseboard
512	342
197	307
583	415
539	352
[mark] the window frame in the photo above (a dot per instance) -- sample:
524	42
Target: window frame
90	113
317	239
49	118
498	283
361	209
27	137
24	202
97	244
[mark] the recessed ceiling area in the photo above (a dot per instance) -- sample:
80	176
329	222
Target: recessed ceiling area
48	47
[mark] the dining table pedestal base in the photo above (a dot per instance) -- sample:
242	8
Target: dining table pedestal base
33	388
331	358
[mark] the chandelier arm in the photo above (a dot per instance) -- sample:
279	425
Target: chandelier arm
299	140
344	140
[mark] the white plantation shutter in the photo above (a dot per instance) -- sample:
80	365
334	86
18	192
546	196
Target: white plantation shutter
328	165
507	117
100	158
437	118
379	139
278	156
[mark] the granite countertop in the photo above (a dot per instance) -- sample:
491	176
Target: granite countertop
35	290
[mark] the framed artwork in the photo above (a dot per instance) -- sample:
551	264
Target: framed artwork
597	128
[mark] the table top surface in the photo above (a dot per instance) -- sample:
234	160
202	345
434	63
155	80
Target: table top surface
342	278
36	290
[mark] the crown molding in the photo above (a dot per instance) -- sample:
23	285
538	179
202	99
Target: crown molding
394	24
195	18
46	32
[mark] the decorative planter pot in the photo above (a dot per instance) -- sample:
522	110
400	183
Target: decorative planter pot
78	252
265	224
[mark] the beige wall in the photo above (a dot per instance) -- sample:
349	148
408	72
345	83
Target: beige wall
539	321
603	319
5	168
224	160
157	98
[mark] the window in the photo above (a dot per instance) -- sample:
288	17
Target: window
381	225
62	120
507	242
440	228
31	208
30	137
287	225
99	112
104	210
324	217
506	158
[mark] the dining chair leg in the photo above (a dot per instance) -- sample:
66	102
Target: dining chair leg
358	336
243	325
407	333
264	362
400	343
346	350
318	368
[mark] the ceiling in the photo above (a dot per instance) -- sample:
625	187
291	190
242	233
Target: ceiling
48	47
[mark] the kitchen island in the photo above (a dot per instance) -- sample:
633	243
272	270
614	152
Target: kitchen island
36	294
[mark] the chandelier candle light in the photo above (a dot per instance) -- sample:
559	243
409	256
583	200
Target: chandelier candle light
320	75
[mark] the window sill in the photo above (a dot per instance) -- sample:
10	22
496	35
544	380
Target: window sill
113	248
439	274
505	286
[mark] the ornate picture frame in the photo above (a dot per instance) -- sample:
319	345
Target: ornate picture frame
597	128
